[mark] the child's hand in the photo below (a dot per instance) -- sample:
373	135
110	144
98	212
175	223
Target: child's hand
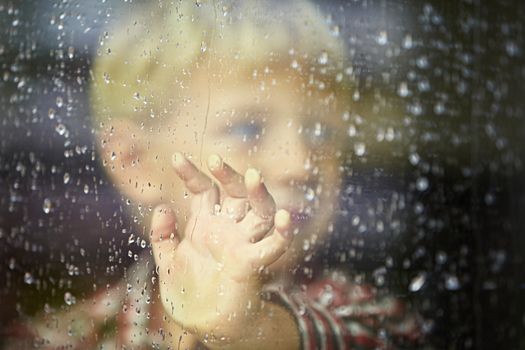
209	279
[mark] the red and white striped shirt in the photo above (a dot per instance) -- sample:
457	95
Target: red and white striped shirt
331	313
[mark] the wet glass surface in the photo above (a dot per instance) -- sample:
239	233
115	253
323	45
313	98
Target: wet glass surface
425	138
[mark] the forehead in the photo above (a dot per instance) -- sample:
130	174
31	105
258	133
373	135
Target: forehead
263	92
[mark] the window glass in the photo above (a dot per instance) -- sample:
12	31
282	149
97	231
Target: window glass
243	174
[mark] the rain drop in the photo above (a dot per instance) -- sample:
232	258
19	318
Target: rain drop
28	278
61	129
69	299
51	113
47	206
414	158
422	184
59	102
452	282
417	282
359	149
511	48
407	42
403	90
382	38
323	58
422	62
310	194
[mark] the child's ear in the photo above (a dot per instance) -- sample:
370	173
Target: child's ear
125	151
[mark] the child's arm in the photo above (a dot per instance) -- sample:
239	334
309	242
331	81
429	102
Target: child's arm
209	277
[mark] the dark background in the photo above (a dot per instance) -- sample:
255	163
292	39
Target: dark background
63	227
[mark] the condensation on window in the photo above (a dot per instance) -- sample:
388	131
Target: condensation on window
245	174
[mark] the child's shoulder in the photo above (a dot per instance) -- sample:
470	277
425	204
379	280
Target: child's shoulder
333	311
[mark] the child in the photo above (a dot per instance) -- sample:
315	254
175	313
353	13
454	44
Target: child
224	125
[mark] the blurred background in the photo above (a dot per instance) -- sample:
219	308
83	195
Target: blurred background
449	175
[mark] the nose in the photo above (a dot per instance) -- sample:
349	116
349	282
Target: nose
287	157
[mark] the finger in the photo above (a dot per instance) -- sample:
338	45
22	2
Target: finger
194	179
256	227
235	208
205	191
163	236
271	248
261	201
230	180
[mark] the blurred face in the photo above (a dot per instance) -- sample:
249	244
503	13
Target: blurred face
293	137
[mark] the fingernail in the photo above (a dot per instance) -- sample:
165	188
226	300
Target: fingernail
252	178
282	218
160	214
215	162
177	159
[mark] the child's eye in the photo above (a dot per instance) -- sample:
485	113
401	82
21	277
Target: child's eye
247	131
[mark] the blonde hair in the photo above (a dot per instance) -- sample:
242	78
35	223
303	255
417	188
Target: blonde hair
144	63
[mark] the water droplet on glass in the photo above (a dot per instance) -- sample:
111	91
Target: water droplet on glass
310	194
422	184
511	48
441	257
416	108
51	113
417	282
61	129
323	58
382	38
452	282
407	42
335	30
66	178
47	206
28	278
403	90
423	85
414	158
86	189
352	131
489	199
439	108
59	102
306	245
359	149
422	62
69	298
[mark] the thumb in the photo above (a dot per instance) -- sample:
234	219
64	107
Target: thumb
163	236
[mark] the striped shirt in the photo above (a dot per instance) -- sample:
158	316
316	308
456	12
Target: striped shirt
330	312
